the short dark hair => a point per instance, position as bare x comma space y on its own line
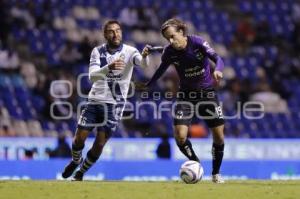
176, 23
109, 22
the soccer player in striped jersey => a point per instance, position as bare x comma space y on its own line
191, 57
110, 70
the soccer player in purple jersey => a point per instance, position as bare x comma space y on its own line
190, 55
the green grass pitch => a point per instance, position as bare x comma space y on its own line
250, 189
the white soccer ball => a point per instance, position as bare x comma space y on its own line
191, 172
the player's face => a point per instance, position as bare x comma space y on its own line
175, 38
113, 35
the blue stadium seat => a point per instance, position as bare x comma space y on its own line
47, 40
38, 102
72, 125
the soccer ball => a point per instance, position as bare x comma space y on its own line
191, 172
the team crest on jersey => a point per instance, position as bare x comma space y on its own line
122, 56
199, 56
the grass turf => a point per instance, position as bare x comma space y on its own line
149, 190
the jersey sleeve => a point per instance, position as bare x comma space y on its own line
96, 72
95, 58
138, 60
210, 52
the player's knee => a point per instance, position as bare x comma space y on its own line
218, 135
218, 139
98, 147
180, 141
180, 132
80, 136
180, 138
108, 134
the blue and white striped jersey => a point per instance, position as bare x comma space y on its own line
111, 86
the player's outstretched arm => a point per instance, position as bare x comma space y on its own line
165, 63
158, 73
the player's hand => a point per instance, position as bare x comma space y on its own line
118, 64
146, 51
140, 86
218, 75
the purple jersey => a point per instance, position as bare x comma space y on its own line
192, 64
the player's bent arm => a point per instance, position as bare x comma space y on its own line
219, 63
97, 73
210, 52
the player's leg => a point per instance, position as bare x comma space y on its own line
93, 154
217, 152
87, 120
184, 112
183, 143
210, 110
77, 146
110, 116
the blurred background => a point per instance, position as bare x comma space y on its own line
43, 41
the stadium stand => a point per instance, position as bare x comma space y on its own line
47, 40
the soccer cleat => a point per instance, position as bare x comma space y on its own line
78, 176
217, 178
70, 168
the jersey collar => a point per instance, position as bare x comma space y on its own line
115, 50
